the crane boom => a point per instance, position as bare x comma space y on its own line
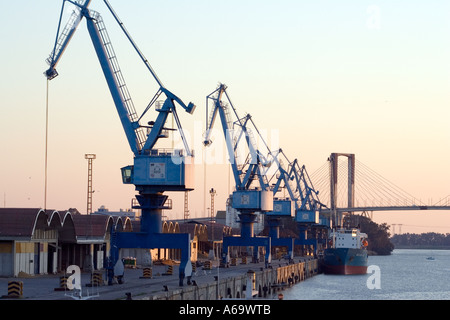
299, 186
226, 127
171, 97
244, 171
63, 38
114, 78
139, 141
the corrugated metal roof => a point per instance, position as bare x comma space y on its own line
19, 222
91, 225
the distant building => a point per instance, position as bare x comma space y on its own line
121, 213
221, 217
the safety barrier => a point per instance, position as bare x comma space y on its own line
62, 284
207, 265
147, 273
169, 271
15, 289
96, 279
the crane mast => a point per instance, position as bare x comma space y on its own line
154, 170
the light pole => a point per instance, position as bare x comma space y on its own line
90, 158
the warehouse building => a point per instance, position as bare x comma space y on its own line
36, 241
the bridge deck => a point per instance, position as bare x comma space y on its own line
387, 208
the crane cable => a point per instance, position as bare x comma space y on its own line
46, 147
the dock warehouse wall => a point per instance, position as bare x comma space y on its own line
6, 258
34, 241
267, 282
23, 256
30, 257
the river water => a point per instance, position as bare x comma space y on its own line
404, 275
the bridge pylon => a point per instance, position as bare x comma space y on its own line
333, 159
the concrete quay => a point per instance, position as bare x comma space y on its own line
205, 284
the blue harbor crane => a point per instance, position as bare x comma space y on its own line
282, 206
252, 192
302, 200
154, 170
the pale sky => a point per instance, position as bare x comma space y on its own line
365, 77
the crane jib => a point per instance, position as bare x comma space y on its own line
135, 133
110, 77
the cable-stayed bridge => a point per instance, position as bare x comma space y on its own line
347, 185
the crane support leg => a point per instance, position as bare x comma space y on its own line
285, 242
303, 239
155, 241
274, 234
274, 227
151, 236
254, 242
247, 239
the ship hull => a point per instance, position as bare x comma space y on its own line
345, 261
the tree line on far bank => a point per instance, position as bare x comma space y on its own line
423, 240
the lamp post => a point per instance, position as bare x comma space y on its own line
90, 158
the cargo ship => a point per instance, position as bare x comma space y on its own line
347, 253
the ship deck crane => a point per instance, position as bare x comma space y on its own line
252, 193
155, 170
